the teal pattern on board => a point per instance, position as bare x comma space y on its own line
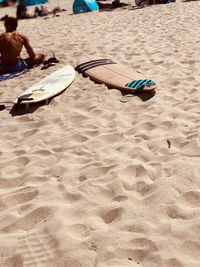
140, 84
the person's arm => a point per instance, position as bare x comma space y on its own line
29, 48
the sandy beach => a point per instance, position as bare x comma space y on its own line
89, 181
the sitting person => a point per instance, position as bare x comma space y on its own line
11, 44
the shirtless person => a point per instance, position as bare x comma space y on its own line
11, 44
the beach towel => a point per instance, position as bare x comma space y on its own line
14, 71
7, 76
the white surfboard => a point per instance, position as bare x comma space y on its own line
48, 87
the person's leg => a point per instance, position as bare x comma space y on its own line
39, 58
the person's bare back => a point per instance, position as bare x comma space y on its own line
11, 44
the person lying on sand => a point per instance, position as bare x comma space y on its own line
11, 44
4, 18
117, 4
108, 7
42, 11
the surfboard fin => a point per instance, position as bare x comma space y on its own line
2, 107
23, 98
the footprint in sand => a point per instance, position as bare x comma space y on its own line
13, 166
30, 220
38, 248
17, 197
111, 215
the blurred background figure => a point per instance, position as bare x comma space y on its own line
21, 10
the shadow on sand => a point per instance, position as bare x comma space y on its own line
143, 96
19, 110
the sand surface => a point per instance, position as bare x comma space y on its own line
89, 181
